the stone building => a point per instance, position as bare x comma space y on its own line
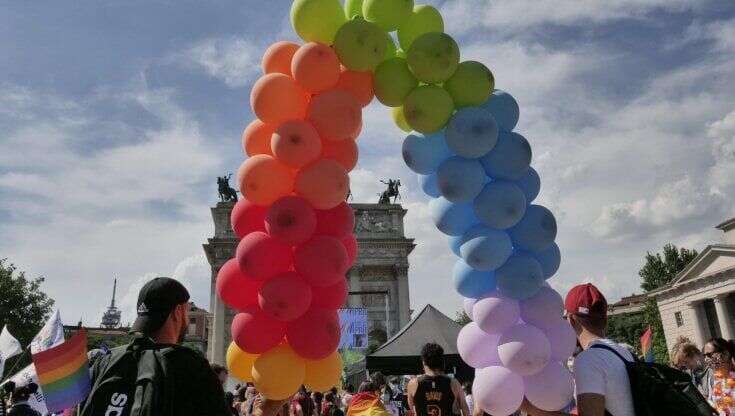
378, 281
197, 333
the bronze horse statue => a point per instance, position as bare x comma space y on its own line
392, 191
226, 192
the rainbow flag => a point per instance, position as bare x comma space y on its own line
366, 404
647, 345
63, 373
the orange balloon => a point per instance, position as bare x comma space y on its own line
277, 58
323, 183
296, 143
276, 98
256, 138
315, 67
343, 151
358, 84
336, 115
263, 179
322, 375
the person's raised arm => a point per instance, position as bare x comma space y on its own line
460, 397
411, 393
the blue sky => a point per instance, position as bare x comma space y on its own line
115, 119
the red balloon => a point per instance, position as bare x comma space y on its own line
236, 290
256, 332
315, 335
262, 256
291, 220
350, 243
337, 222
247, 217
336, 115
330, 297
285, 297
344, 152
322, 261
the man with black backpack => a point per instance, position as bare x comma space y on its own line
153, 375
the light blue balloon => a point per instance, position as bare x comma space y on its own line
504, 108
429, 186
472, 283
501, 204
520, 277
530, 184
536, 231
460, 179
509, 159
455, 243
424, 153
451, 218
550, 260
471, 132
485, 248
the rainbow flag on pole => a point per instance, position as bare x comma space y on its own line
63, 373
647, 345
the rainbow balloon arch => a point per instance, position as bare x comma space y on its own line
287, 280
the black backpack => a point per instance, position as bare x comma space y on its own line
660, 390
133, 381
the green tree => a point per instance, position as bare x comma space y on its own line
461, 318
24, 308
658, 271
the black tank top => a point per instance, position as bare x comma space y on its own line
434, 396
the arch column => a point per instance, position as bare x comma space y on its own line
723, 316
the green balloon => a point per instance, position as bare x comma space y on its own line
317, 20
470, 85
353, 8
388, 14
390, 48
393, 81
424, 19
360, 45
428, 108
433, 57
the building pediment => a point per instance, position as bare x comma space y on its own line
713, 259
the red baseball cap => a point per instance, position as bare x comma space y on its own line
586, 300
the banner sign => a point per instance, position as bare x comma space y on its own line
354, 325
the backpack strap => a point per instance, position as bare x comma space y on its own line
612, 350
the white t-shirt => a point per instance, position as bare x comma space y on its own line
601, 372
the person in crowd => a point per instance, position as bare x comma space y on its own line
230, 401
19, 396
435, 391
367, 401
347, 396
686, 357
331, 405
600, 376
162, 321
318, 399
467, 386
302, 404
221, 373
719, 381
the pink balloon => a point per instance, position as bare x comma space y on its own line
291, 220
542, 309
315, 335
350, 243
337, 222
524, 349
497, 390
563, 340
551, 389
247, 217
330, 297
322, 261
285, 297
495, 313
478, 348
468, 304
262, 256
236, 290
256, 332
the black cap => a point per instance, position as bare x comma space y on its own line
156, 300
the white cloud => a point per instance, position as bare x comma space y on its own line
236, 61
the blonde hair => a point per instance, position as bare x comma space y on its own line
683, 350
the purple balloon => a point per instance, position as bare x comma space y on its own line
468, 305
551, 389
563, 340
542, 309
494, 314
524, 349
476, 347
497, 390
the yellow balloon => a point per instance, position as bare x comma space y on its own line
279, 373
322, 375
400, 119
240, 363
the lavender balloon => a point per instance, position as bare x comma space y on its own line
563, 340
551, 389
543, 309
476, 347
468, 304
524, 349
497, 390
494, 314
